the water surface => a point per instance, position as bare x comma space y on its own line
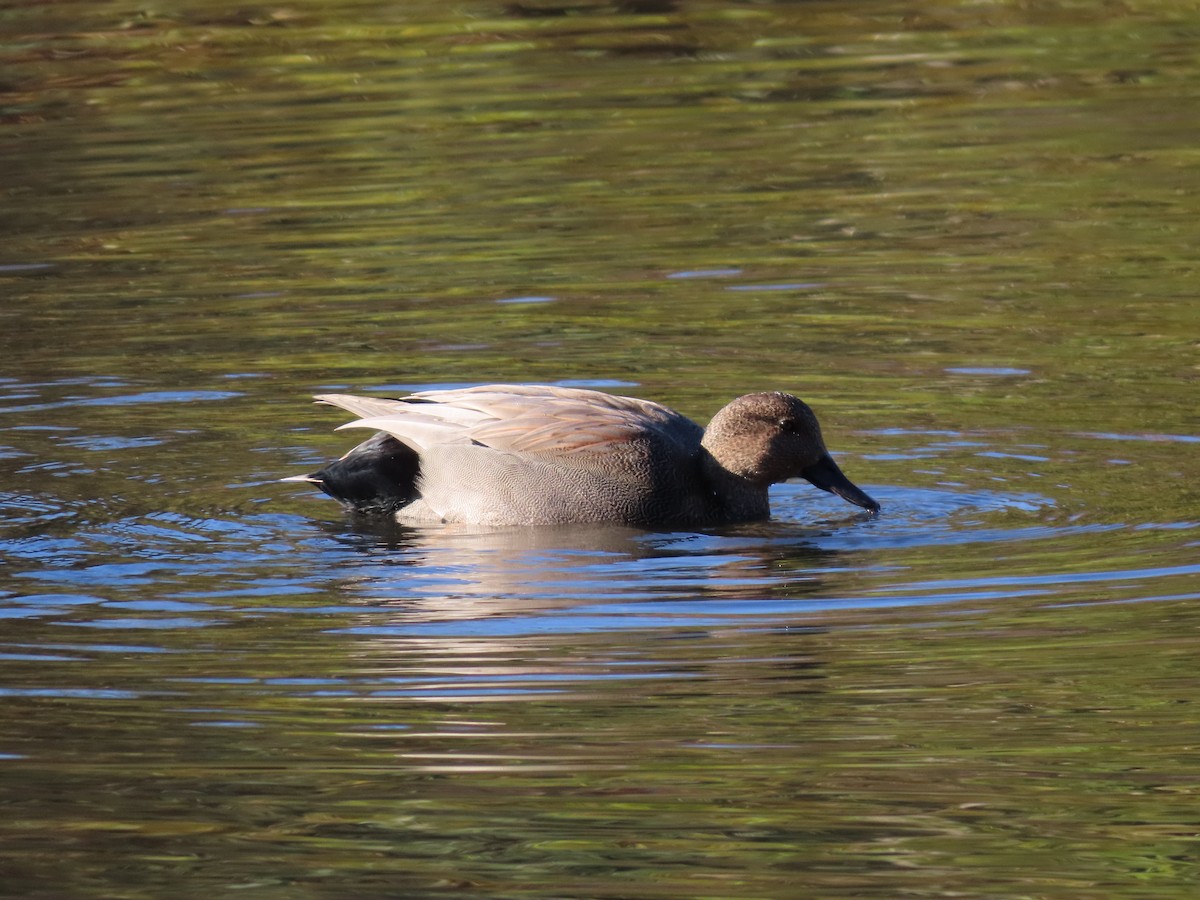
964, 233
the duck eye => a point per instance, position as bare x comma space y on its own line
788, 425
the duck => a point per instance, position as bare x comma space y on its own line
518, 455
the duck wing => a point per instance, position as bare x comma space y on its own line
536, 420
419, 425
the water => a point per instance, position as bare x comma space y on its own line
963, 233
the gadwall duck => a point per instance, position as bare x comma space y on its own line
539, 455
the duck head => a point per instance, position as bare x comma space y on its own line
771, 437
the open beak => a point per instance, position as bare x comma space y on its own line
826, 475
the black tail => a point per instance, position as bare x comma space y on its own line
377, 476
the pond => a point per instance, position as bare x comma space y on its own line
965, 233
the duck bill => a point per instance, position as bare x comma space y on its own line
826, 475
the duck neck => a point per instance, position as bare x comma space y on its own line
737, 498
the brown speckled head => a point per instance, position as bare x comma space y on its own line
771, 437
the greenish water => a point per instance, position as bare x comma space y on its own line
964, 232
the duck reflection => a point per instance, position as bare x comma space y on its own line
456, 573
